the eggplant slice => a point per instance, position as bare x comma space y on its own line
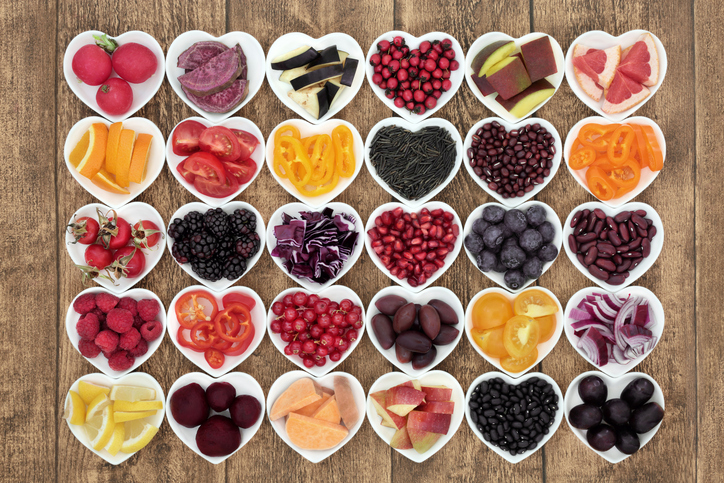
317, 76
326, 57
313, 99
296, 58
350, 68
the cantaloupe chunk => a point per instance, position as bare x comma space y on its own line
314, 434
345, 401
301, 393
328, 411
310, 409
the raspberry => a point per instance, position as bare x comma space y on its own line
148, 309
140, 349
138, 322
85, 303
88, 348
151, 330
106, 302
129, 339
107, 340
129, 304
88, 326
119, 320
108, 355
100, 314
121, 361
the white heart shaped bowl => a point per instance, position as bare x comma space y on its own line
244, 385
432, 378
499, 278
396, 121
615, 386
551, 431
602, 40
449, 259
456, 76
134, 379
544, 348
489, 101
230, 362
656, 244
293, 40
132, 213
336, 293
306, 129
254, 57
286, 380
613, 369
153, 167
100, 361
142, 93
647, 176
229, 208
440, 293
293, 209
242, 123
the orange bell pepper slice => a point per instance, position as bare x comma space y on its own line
596, 135
344, 150
656, 156
599, 184
227, 321
287, 130
582, 158
619, 145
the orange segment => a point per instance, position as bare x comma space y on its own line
114, 135
139, 160
78, 153
123, 156
96, 153
104, 180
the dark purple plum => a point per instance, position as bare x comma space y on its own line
616, 412
447, 314
404, 318
645, 418
382, 327
627, 441
414, 341
429, 321
585, 416
601, 437
593, 390
447, 335
420, 361
637, 392
245, 411
403, 355
218, 436
389, 304
188, 405
219, 396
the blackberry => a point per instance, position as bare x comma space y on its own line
203, 246
207, 269
248, 245
216, 222
178, 229
234, 268
195, 221
181, 252
242, 222
225, 248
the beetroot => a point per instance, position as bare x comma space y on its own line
134, 62
245, 411
218, 436
215, 75
219, 395
199, 54
223, 101
188, 405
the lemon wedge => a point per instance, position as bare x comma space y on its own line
123, 416
89, 391
132, 394
74, 409
100, 428
137, 406
138, 435
116, 441
96, 407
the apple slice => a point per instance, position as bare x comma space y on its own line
401, 439
437, 393
432, 422
491, 54
509, 77
440, 407
422, 440
521, 104
402, 399
389, 418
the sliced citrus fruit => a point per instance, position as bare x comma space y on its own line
132, 393
78, 153
123, 416
96, 153
640, 61
587, 83
105, 181
534, 303
624, 93
521, 336
100, 429
511, 364
139, 160
137, 406
89, 391
114, 135
123, 156
117, 438
138, 435
74, 409
96, 407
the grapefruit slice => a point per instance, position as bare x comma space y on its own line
599, 65
589, 85
623, 94
96, 153
640, 61
139, 160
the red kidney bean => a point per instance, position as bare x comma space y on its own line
606, 248
599, 214
631, 228
641, 231
591, 222
617, 259
614, 238
580, 227
587, 237
621, 217
622, 248
641, 213
598, 272
635, 263
604, 234
639, 221
586, 213
616, 279
632, 255
606, 264
623, 231
580, 258
585, 247
611, 224
652, 233
623, 266
572, 244
576, 217
598, 227
646, 247
635, 243
590, 256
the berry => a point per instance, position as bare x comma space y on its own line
178, 229
324, 321
313, 298
309, 315
88, 326
275, 326
108, 355
140, 349
148, 309
296, 347
129, 339
288, 349
299, 325
320, 307
248, 245
234, 267
224, 249
309, 347
88, 348
326, 339
107, 340
203, 246
375, 60
138, 322
100, 314
121, 361
181, 252
287, 336
383, 45
309, 362
216, 221
316, 331
277, 308
119, 320
351, 318
320, 362
303, 336
337, 318
288, 326
290, 314
195, 220
351, 335
106, 302
207, 269
335, 356
300, 299
151, 330
85, 303
129, 304
242, 222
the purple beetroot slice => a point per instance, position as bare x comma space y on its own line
200, 53
223, 101
214, 76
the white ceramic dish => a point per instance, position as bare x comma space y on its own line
489, 101
293, 209
615, 386
544, 348
132, 213
153, 168
656, 244
293, 40
305, 130
499, 278
254, 59
432, 378
551, 431
601, 40
242, 123
422, 298
142, 93
335, 293
513, 202
229, 208
244, 385
286, 380
449, 259
396, 121
134, 379
647, 176
456, 76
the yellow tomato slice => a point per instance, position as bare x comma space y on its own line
534, 303
512, 364
490, 341
491, 310
547, 327
521, 336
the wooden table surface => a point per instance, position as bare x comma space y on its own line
38, 279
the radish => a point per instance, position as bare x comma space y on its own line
115, 97
134, 62
92, 65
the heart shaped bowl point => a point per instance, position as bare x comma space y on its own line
647, 176
489, 101
432, 122
551, 430
513, 202
293, 209
432, 378
258, 314
132, 213
544, 348
235, 122
598, 39
229, 208
422, 298
656, 244
449, 259
142, 93
336, 293
244, 385
615, 386
286, 380
154, 165
656, 310
133, 379
456, 76
287, 43
499, 277
305, 130
255, 61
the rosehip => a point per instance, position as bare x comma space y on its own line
378, 68
383, 45
375, 60
397, 55
419, 96
454, 65
430, 102
390, 94
446, 85
436, 94
402, 75
383, 85
398, 41
425, 47
414, 61
399, 102
433, 55
407, 95
443, 63
386, 59
436, 84
404, 63
410, 106
377, 78
437, 73
419, 109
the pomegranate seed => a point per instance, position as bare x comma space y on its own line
439, 262
420, 256
398, 246
415, 249
448, 238
442, 252
383, 230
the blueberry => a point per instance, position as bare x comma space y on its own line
547, 253
533, 268
530, 240
507, 232
516, 221
493, 214
493, 236
511, 241
547, 231
512, 257
499, 267
536, 215
486, 260
474, 243
480, 225
514, 279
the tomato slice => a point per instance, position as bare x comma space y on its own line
214, 189
238, 298
520, 336
491, 310
185, 174
242, 170
490, 341
194, 307
185, 138
221, 142
534, 303
247, 141
207, 166
214, 357
511, 364
547, 327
